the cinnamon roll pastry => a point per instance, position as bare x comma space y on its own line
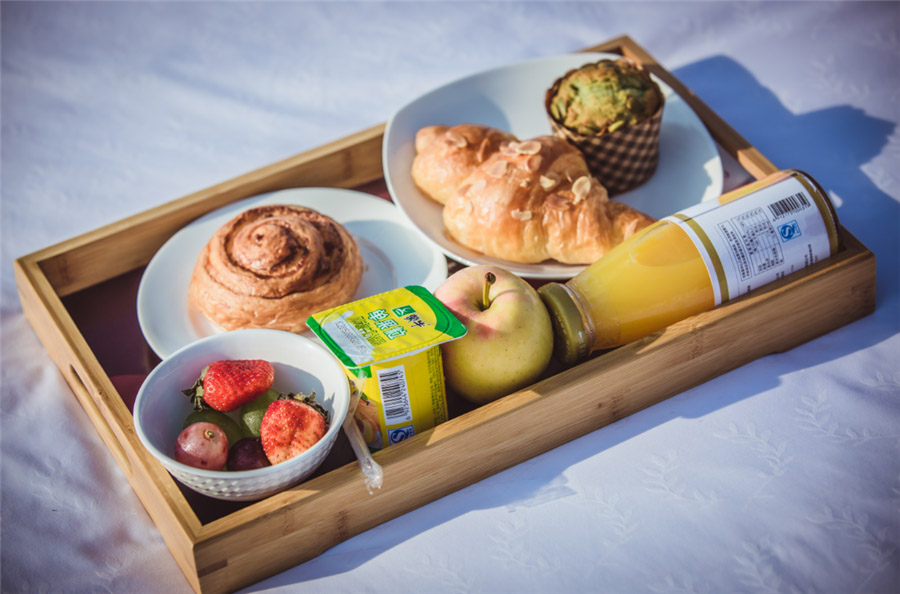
274, 266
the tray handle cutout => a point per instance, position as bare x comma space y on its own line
87, 399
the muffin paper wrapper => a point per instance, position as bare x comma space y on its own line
620, 160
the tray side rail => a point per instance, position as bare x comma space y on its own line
83, 261
45, 276
106, 410
728, 138
323, 512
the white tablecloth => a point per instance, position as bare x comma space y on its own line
781, 476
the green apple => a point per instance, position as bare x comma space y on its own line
509, 340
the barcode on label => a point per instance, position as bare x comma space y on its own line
394, 395
789, 205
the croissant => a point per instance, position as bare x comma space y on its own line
445, 155
274, 266
535, 200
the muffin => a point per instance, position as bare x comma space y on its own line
612, 111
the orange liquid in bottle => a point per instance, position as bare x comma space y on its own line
654, 280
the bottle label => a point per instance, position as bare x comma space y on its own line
759, 238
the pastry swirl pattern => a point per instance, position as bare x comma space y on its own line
273, 266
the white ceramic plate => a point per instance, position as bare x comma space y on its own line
395, 255
512, 98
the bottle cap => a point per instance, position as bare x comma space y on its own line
571, 339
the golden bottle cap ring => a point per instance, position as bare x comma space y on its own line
571, 340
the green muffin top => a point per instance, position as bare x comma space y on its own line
604, 96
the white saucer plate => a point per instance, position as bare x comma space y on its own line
394, 253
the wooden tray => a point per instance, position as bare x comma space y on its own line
333, 506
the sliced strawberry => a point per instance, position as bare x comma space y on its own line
291, 426
227, 385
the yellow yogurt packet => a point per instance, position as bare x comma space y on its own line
389, 345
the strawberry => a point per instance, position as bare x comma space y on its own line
292, 424
227, 385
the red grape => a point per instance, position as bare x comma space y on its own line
247, 454
202, 445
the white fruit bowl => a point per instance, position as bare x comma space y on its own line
301, 365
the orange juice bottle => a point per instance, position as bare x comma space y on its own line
691, 262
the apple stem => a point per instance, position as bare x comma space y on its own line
489, 279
